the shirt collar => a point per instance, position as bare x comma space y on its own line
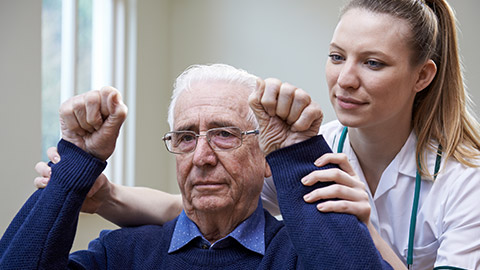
403, 163
250, 233
406, 157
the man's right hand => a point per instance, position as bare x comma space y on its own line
92, 121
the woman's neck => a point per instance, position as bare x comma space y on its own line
376, 147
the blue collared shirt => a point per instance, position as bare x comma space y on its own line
250, 234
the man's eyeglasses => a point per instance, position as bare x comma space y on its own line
220, 139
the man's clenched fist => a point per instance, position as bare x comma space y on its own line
92, 121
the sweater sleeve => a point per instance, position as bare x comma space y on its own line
41, 234
322, 240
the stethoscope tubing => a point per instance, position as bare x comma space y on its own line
416, 196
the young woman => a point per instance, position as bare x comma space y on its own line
404, 134
394, 80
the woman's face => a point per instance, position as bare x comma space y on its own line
370, 79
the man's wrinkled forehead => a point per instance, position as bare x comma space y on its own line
217, 103
193, 125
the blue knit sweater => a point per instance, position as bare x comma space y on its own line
41, 235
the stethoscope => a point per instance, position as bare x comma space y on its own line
416, 196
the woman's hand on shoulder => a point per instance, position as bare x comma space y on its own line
350, 192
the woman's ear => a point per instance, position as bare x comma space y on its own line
426, 75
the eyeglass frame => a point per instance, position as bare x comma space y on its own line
212, 145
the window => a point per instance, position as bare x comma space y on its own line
51, 46
88, 44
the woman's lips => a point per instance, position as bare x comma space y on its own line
349, 103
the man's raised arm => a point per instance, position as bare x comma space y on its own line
289, 122
42, 233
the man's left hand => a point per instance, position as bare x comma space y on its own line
286, 114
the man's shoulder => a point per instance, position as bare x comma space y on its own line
273, 227
279, 249
134, 246
139, 234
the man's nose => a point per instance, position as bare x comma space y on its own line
204, 154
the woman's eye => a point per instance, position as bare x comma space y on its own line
374, 64
335, 58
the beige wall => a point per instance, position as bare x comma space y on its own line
271, 38
469, 39
20, 111
154, 84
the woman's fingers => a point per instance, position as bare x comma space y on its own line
336, 191
40, 182
359, 209
43, 169
332, 175
336, 158
347, 195
341, 199
53, 155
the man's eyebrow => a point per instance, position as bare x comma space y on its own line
220, 124
213, 124
186, 127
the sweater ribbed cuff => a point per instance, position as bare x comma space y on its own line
77, 170
303, 155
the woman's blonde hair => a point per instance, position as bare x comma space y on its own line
442, 111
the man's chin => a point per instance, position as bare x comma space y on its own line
211, 203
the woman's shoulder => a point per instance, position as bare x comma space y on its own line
331, 131
455, 167
456, 176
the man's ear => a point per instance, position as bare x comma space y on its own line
268, 171
426, 75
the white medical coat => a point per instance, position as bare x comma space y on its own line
448, 220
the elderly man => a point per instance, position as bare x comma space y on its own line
220, 171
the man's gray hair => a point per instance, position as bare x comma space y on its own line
213, 72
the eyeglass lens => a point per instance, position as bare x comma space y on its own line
218, 138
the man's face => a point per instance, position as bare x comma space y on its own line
214, 181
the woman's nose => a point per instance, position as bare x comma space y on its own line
348, 77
